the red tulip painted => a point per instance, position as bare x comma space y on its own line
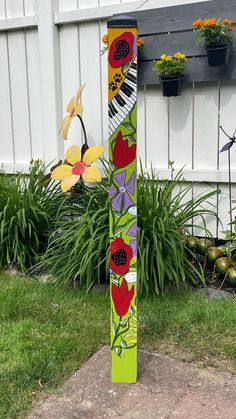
120, 256
123, 154
122, 297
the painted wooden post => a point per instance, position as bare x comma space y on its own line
122, 110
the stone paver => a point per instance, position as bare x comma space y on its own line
166, 389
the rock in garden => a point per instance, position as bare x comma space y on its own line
213, 293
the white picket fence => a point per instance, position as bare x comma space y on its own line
48, 48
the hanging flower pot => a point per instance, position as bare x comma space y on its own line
217, 55
171, 85
171, 69
217, 35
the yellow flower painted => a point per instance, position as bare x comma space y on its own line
73, 108
71, 173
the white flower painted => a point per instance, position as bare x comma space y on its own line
131, 277
132, 210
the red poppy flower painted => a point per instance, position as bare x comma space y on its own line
122, 297
121, 50
123, 155
120, 256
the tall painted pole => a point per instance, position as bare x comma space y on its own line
122, 110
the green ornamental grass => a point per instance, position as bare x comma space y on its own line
78, 249
28, 214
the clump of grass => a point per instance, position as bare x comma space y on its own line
28, 214
165, 216
78, 250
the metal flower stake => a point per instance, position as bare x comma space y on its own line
122, 111
227, 147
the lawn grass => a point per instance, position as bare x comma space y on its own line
46, 333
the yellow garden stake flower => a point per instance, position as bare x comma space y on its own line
79, 167
74, 108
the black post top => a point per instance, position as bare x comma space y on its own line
122, 21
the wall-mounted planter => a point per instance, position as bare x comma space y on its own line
218, 55
171, 85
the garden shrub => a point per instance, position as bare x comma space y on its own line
28, 214
78, 250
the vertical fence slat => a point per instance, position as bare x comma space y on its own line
90, 74
141, 126
50, 79
157, 128
181, 128
228, 121
67, 5
85, 4
35, 110
30, 7
7, 147
14, 8
103, 81
19, 98
70, 76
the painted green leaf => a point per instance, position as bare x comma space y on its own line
121, 228
123, 324
118, 350
125, 67
114, 327
123, 343
128, 126
132, 310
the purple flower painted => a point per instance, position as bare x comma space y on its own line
133, 233
120, 196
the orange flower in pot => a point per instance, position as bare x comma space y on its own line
217, 36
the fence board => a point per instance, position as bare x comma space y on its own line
157, 128
90, 57
19, 97
227, 104
70, 76
141, 126
206, 125
181, 128
7, 146
35, 110
14, 8
30, 7
64, 5
103, 82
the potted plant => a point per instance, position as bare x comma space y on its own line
217, 36
171, 69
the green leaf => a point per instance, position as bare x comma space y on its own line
118, 350
128, 126
132, 310
123, 343
123, 324
120, 228
114, 328
125, 67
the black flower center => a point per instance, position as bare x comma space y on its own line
119, 257
122, 50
